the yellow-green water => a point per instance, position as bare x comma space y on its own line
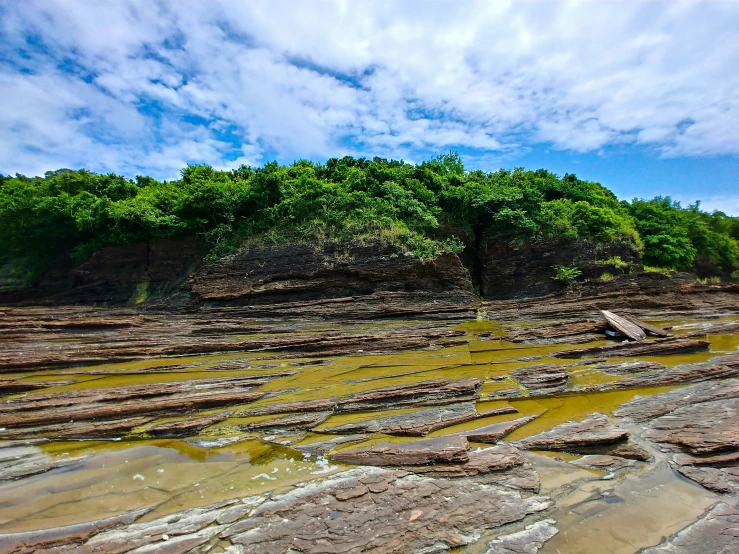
112, 477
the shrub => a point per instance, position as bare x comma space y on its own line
566, 275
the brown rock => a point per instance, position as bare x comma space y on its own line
481, 462
427, 451
704, 428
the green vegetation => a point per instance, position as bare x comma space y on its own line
566, 275
347, 200
616, 262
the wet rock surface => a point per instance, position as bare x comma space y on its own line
382, 511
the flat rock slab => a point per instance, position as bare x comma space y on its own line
445, 450
379, 511
717, 532
497, 458
650, 407
496, 431
413, 424
700, 429
528, 541
594, 431
602, 461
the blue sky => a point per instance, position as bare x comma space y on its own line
641, 96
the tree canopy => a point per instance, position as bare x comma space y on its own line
348, 199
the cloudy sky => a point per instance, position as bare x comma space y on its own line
641, 96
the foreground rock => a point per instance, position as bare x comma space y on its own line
361, 510
716, 532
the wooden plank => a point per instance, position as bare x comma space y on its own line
624, 326
651, 329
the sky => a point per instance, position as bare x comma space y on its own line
640, 96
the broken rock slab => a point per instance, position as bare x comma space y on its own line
445, 450
496, 431
573, 436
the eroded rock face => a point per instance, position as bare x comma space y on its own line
380, 511
716, 532
594, 431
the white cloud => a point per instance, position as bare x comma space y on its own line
139, 86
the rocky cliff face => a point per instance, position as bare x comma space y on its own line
371, 281
116, 275
303, 280
515, 269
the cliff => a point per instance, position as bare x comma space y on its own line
300, 280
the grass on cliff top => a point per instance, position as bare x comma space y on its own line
349, 200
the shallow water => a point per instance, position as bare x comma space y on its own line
112, 477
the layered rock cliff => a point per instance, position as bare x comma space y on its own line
301, 279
